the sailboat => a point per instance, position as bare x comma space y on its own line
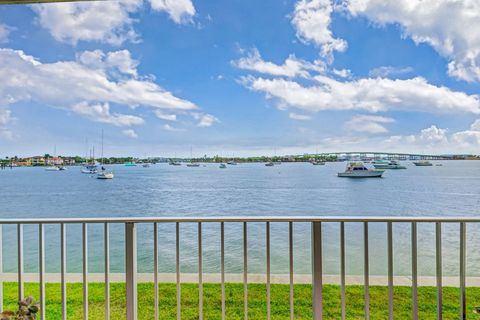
53, 167
90, 168
104, 174
191, 163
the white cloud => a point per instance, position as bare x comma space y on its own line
168, 127
292, 67
434, 134
104, 21
368, 94
130, 133
387, 71
436, 140
451, 27
101, 113
165, 116
475, 125
204, 119
180, 11
368, 124
343, 73
89, 88
4, 32
100, 21
5, 119
301, 117
311, 20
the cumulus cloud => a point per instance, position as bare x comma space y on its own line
168, 127
5, 119
312, 19
89, 85
99, 112
373, 95
292, 67
165, 116
368, 124
130, 133
389, 71
4, 32
301, 117
204, 119
180, 11
449, 26
438, 140
87, 21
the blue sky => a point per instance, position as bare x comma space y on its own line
240, 77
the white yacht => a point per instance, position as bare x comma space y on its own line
232, 163
423, 163
358, 170
105, 175
89, 169
193, 164
389, 165
52, 168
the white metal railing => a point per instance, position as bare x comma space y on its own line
317, 257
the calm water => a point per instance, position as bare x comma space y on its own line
247, 189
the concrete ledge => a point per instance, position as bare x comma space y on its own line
238, 278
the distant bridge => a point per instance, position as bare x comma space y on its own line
386, 155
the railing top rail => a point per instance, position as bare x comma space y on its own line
447, 219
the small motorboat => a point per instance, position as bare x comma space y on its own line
389, 165
222, 166
232, 163
193, 164
318, 163
423, 163
52, 168
358, 170
269, 164
146, 165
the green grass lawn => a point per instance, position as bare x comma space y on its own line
257, 305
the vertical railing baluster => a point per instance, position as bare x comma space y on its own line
290, 256
177, 270
342, 271
41, 268
20, 261
200, 273
131, 269
366, 271
245, 272
106, 250
317, 271
267, 245
438, 251
155, 268
222, 266
63, 266
390, 269
463, 302
414, 272
85, 270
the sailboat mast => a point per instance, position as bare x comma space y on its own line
102, 148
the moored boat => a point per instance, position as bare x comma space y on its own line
358, 170
389, 165
269, 164
423, 163
222, 166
